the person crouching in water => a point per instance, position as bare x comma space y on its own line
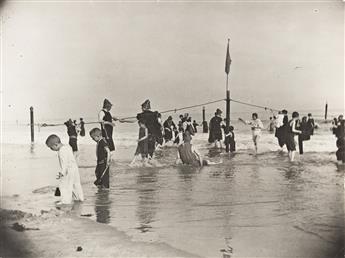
142, 148
103, 158
69, 186
293, 131
187, 154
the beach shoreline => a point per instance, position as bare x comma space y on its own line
56, 233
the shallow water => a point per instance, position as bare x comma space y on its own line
258, 206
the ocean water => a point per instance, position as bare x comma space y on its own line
255, 206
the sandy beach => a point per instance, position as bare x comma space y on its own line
57, 234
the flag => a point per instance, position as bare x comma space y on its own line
227, 60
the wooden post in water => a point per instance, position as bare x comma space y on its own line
326, 110
204, 122
32, 125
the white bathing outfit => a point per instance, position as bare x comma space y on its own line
69, 185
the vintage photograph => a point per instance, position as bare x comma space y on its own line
172, 128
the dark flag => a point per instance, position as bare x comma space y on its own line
228, 60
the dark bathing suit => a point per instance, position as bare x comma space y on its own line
290, 140
72, 133
215, 129
102, 164
150, 119
142, 147
107, 130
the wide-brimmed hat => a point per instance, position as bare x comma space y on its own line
106, 103
146, 104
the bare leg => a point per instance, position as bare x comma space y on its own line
133, 161
292, 155
76, 156
255, 140
146, 162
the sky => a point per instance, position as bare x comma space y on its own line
64, 58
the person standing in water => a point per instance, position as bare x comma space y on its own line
73, 136
69, 186
195, 125
281, 125
103, 158
293, 131
311, 123
142, 146
305, 135
271, 125
216, 124
151, 120
82, 127
229, 137
169, 129
256, 126
106, 120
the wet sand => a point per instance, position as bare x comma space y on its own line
57, 234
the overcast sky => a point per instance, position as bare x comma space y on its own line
65, 58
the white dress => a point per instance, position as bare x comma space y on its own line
70, 186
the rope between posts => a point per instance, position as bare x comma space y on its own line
253, 105
182, 108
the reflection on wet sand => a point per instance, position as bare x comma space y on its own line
102, 206
147, 199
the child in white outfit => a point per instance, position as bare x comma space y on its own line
70, 187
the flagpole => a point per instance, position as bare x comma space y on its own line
227, 149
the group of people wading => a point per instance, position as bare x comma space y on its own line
152, 133
286, 131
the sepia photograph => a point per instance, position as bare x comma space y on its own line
172, 128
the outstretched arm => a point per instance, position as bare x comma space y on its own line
245, 122
123, 120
